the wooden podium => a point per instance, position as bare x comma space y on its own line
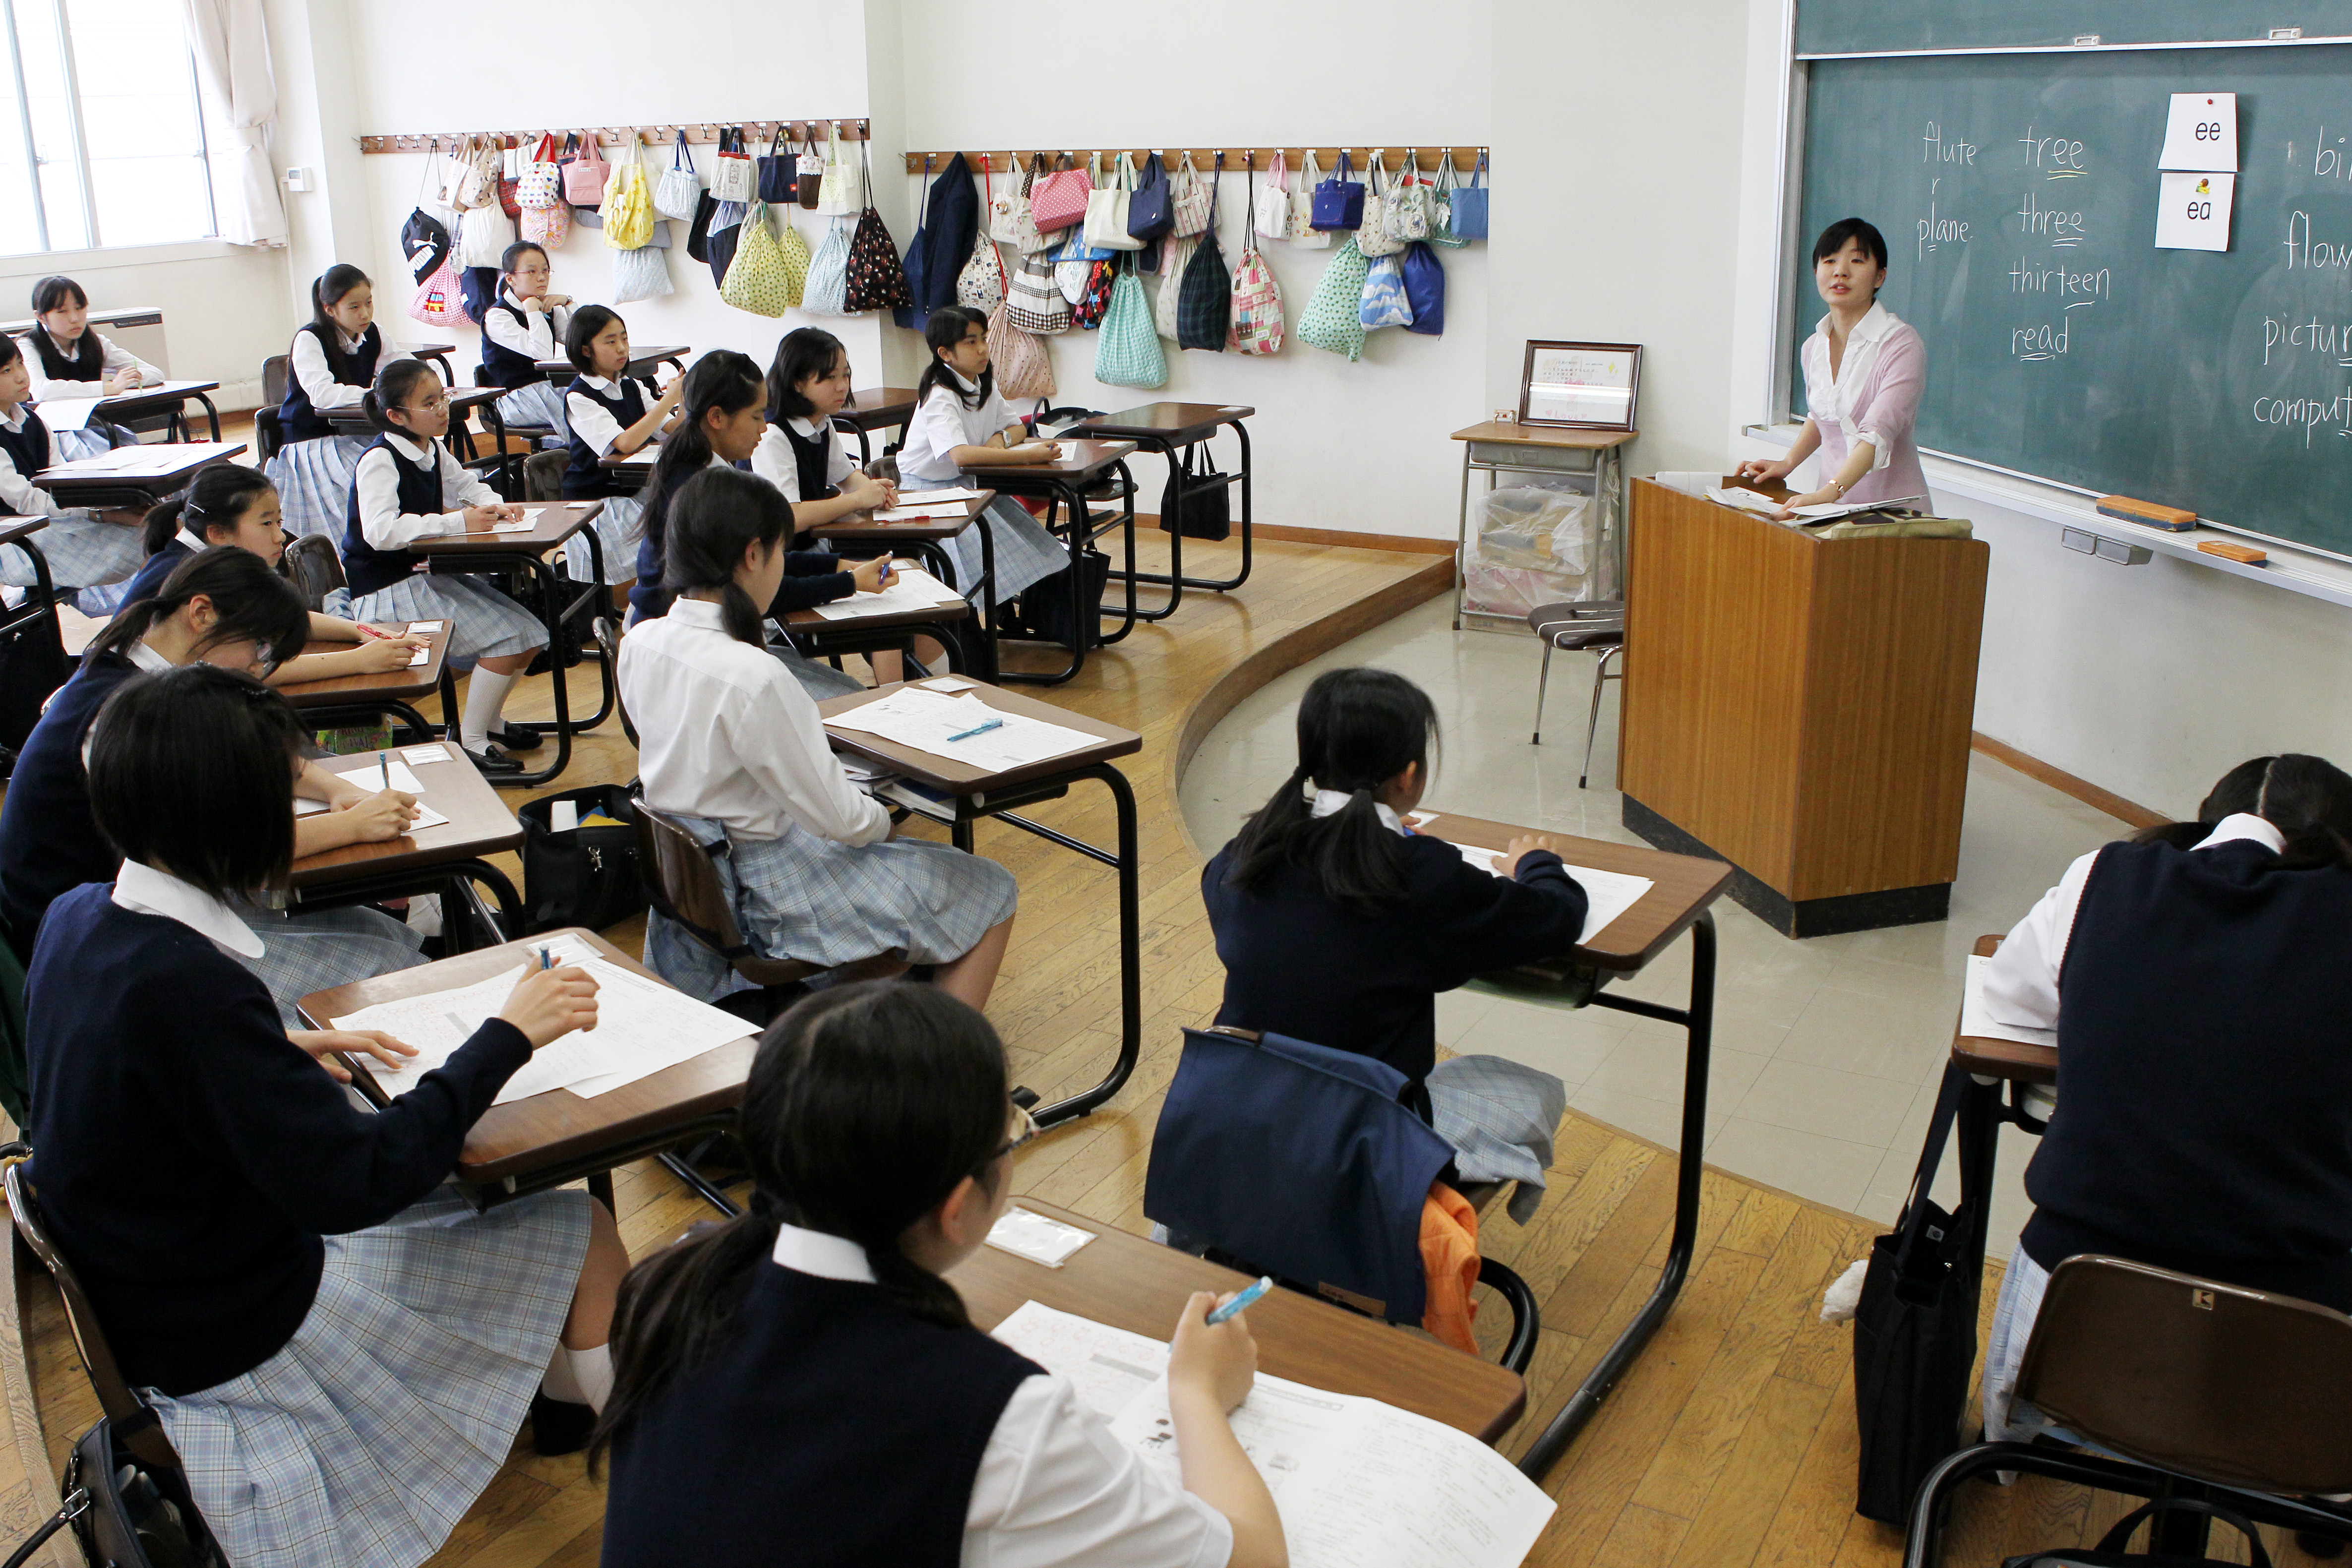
1800, 706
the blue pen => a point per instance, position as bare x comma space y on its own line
545, 961
383, 760
978, 730
1248, 1297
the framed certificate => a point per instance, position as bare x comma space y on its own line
1584, 386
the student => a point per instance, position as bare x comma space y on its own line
959, 419
804, 1374
86, 548
408, 485
524, 325
2195, 975
727, 739
233, 505
720, 427
1336, 924
800, 452
334, 362
610, 413
340, 1353
222, 607
67, 360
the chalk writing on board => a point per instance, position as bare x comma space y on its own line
2311, 412
2327, 160
1936, 229
1937, 149
2301, 250
2059, 227
2030, 276
2057, 157
2047, 340
2328, 340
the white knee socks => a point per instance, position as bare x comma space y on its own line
486, 693
580, 1377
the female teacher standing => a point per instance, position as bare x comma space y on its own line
1863, 373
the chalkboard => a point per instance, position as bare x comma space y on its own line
1849, 27
2019, 194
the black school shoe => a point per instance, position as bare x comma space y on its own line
558, 1426
517, 737
494, 763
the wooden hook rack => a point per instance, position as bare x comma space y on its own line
759, 131
1238, 158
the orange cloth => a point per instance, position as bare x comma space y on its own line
1449, 1256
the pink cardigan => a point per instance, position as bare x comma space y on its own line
1874, 399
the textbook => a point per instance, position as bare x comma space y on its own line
1359, 1483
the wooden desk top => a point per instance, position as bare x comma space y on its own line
810, 621
872, 407
552, 523
1515, 434
861, 524
1080, 460
1134, 1284
75, 629
955, 778
2020, 1060
549, 1128
1179, 423
418, 680
160, 469
1684, 886
479, 823
641, 360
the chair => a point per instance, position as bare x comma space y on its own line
315, 567
2216, 1396
1597, 627
1300, 1162
542, 476
135, 1425
268, 435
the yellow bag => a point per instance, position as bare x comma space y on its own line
795, 253
758, 280
628, 205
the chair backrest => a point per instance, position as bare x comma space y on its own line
682, 883
543, 474
315, 567
2239, 1387
1300, 1161
274, 371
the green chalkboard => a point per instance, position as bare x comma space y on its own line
2018, 196
1849, 27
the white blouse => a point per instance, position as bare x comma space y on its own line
19, 493
382, 522
112, 358
540, 336
725, 732
591, 421
942, 424
774, 461
307, 362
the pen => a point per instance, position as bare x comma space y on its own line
545, 961
978, 730
1248, 1297
383, 760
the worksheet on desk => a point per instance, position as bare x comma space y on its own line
911, 588
1607, 894
953, 728
68, 413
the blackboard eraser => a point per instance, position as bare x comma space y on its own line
2243, 555
2148, 513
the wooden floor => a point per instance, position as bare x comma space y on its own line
1731, 1443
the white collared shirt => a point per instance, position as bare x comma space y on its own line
541, 336
149, 891
307, 362
1828, 394
1054, 1486
146, 658
111, 358
594, 423
774, 459
1328, 801
382, 522
725, 732
941, 423
2022, 980
193, 543
19, 493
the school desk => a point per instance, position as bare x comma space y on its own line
874, 409
924, 538
1062, 484
1999, 1073
548, 1140
140, 481
975, 794
1172, 429
1683, 888
641, 361
1140, 1286
164, 397
325, 703
440, 356
445, 859
485, 549
823, 637
463, 403
37, 615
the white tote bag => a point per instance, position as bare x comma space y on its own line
842, 192
483, 234
1303, 232
1107, 210
1272, 218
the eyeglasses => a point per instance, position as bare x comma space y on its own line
1024, 1127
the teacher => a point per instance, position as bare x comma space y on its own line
1865, 370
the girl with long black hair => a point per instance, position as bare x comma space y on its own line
610, 413
334, 360
70, 361
86, 548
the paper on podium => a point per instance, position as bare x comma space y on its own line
1977, 1019
1607, 894
911, 588
1359, 1483
925, 721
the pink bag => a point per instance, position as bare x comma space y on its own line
583, 177
439, 301
1059, 200
1024, 368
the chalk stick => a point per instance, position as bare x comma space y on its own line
2148, 513
2243, 555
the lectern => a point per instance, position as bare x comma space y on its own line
1800, 707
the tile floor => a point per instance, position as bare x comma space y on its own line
1827, 1051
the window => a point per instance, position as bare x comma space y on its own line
105, 145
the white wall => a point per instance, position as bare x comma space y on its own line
224, 305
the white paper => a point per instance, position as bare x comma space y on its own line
370, 776
120, 458
1976, 1020
948, 683
305, 806
68, 413
424, 628
2202, 132
421, 656
923, 720
910, 590
914, 512
1745, 501
1359, 1484
1607, 894
1824, 511
420, 755
2192, 211
1035, 1237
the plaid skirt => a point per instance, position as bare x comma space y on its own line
93, 440
618, 528
483, 622
82, 552
365, 1440
540, 403
1026, 553
314, 483
313, 950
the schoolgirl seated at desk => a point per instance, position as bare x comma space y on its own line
68, 359
222, 607
524, 325
610, 413
335, 358
339, 1349
86, 548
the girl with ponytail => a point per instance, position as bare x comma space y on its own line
1336, 922
804, 1373
729, 741
332, 363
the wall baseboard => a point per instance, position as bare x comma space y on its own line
2066, 783
1404, 542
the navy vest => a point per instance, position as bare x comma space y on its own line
2204, 1117
148, 581
297, 417
48, 844
87, 364
28, 448
367, 569
809, 456
647, 596
506, 367
828, 1429
586, 478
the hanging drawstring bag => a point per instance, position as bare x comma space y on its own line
680, 190
757, 279
1128, 352
640, 274
542, 185
1102, 279
808, 178
1333, 319
719, 244
1073, 266
1470, 203
1270, 208
843, 194
510, 178
1440, 205
1193, 208
425, 240
1059, 201
1034, 303
1382, 302
1107, 208
628, 205
1172, 284
877, 278
1254, 307
795, 252
583, 177
828, 274
1424, 288
1407, 218
1024, 368
483, 234
1304, 234
1373, 235
983, 283
916, 262
1201, 308
546, 227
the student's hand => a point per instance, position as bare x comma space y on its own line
673, 392
864, 491
122, 380
1221, 1362
1519, 847
323, 1043
478, 516
889, 493
1758, 469
870, 575
553, 300
533, 305
370, 629
128, 517
381, 656
1039, 451
386, 814
548, 1004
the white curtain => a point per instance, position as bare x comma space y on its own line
240, 92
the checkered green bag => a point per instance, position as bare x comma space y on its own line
1333, 319
1127, 354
